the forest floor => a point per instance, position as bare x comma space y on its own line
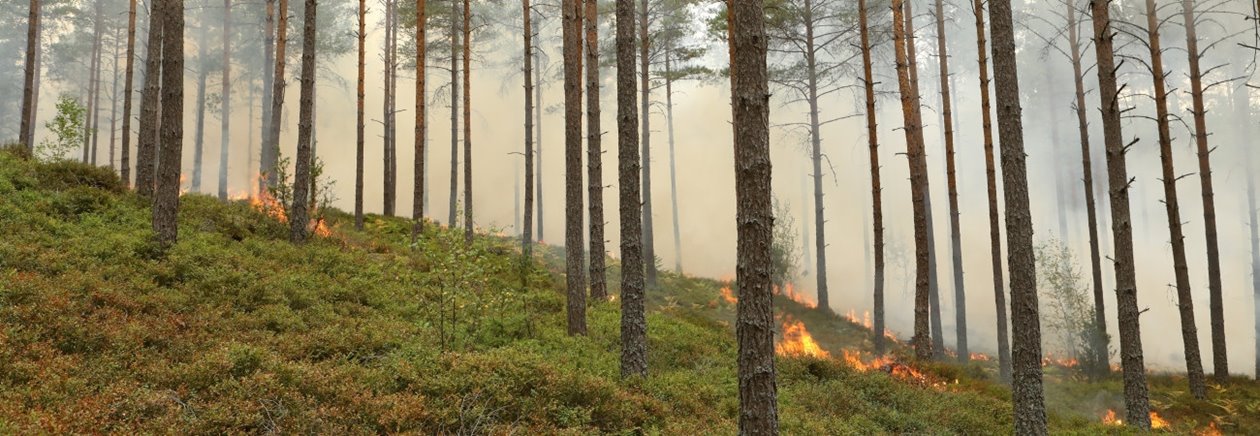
235, 330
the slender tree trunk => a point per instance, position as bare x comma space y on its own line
527, 221
299, 214
199, 140
94, 88
225, 127
1099, 338
673, 173
645, 138
1027, 393
166, 197
391, 189
147, 143
1220, 359
758, 414
995, 222
572, 14
417, 200
633, 318
1135, 389
918, 180
128, 76
815, 139
955, 234
269, 62
387, 114
39, 62
538, 117
1189, 332
28, 84
877, 202
934, 302
468, 160
359, 127
272, 145
454, 36
1255, 255
113, 99
595, 154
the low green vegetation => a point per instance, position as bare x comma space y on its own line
235, 330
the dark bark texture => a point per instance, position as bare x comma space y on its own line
594, 154
921, 340
995, 220
28, 79
166, 196
299, 213
633, 318
877, 202
955, 233
573, 241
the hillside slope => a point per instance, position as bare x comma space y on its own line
235, 330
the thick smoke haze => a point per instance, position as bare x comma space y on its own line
704, 158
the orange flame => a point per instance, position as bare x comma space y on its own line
1157, 422
981, 357
269, 205
797, 341
790, 292
1111, 419
1066, 362
1211, 430
183, 183
728, 295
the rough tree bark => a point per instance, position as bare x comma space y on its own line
955, 235
299, 213
645, 138
527, 222
1185, 301
166, 197
28, 80
147, 142
1027, 394
571, 11
94, 88
1220, 359
388, 192
995, 221
918, 181
269, 45
359, 139
633, 318
595, 155
468, 178
1099, 365
225, 125
1135, 390
877, 202
271, 146
750, 98
538, 117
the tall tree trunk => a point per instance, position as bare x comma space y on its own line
113, 98
527, 221
877, 202
272, 145
1255, 255
1099, 336
299, 214
203, 72
573, 245
645, 88
417, 200
918, 180
391, 188
538, 117
934, 302
955, 234
468, 178
166, 197
995, 221
387, 114
94, 87
1027, 393
128, 77
758, 414
225, 120
815, 139
633, 318
269, 87
595, 154
1185, 301
673, 173
454, 36
358, 127
1135, 390
147, 142
1220, 359
28, 88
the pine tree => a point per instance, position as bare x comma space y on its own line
572, 12
28, 87
299, 213
633, 318
595, 156
166, 196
